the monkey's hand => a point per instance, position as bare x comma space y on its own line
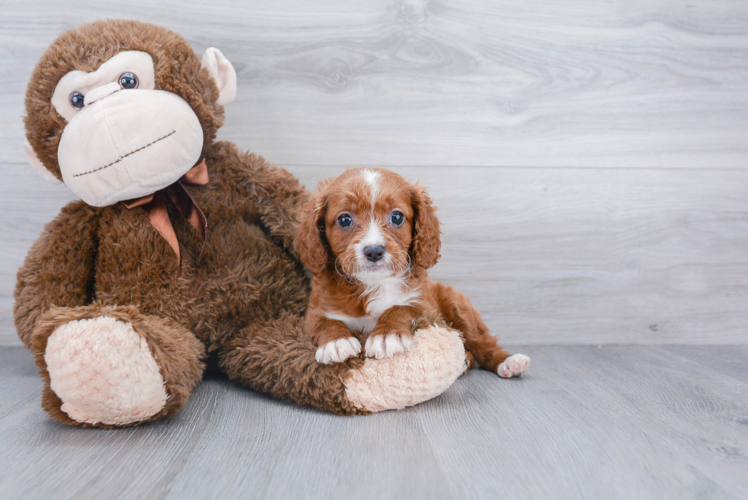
278, 195
59, 268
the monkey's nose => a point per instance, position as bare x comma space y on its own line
374, 253
100, 93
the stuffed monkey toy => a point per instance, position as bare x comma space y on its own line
181, 250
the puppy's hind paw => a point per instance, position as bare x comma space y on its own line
386, 346
513, 366
337, 351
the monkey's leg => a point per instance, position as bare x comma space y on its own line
275, 357
110, 366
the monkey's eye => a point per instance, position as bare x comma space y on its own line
397, 218
345, 220
128, 81
76, 100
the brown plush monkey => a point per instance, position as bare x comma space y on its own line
181, 250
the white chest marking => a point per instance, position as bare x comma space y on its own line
387, 293
363, 324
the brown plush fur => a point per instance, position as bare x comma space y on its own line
254, 354
242, 301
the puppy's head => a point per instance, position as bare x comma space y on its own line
369, 224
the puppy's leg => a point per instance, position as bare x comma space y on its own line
392, 334
458, 311
335, 342
469, 361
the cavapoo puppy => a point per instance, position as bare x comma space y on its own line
368, 238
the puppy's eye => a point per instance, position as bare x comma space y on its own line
397, 218
345, 220
128, 81
76, 100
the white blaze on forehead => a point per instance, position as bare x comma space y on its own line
372, 179
374, 234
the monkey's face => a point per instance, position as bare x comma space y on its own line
122, 136
124, 139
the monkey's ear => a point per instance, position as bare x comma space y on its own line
222, 72
38, 165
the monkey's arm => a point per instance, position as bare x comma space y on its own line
280, 198
59, 268
277, 194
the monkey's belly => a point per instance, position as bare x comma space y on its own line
243, 276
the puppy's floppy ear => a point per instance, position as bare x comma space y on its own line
309, 241
426, 241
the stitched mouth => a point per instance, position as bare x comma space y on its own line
128, 154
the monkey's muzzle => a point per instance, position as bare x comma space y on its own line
125, 144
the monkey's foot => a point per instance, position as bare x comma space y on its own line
103, 372
432, 364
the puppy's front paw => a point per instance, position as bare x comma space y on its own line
337, 351
385, 346
513, 366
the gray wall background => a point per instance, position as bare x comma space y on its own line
589, 158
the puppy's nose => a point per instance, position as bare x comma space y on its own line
374, 252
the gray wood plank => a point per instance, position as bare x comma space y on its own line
647, 422
633, 422
302, 437
538, 83
566, 255
547, 255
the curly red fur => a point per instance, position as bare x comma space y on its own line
309, 243
426, 235
342, 289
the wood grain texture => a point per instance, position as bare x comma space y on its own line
661, 422
550, 255
410, 82
589, 158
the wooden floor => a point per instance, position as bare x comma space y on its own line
628, 422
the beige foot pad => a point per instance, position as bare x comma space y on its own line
435, 360
103, 372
